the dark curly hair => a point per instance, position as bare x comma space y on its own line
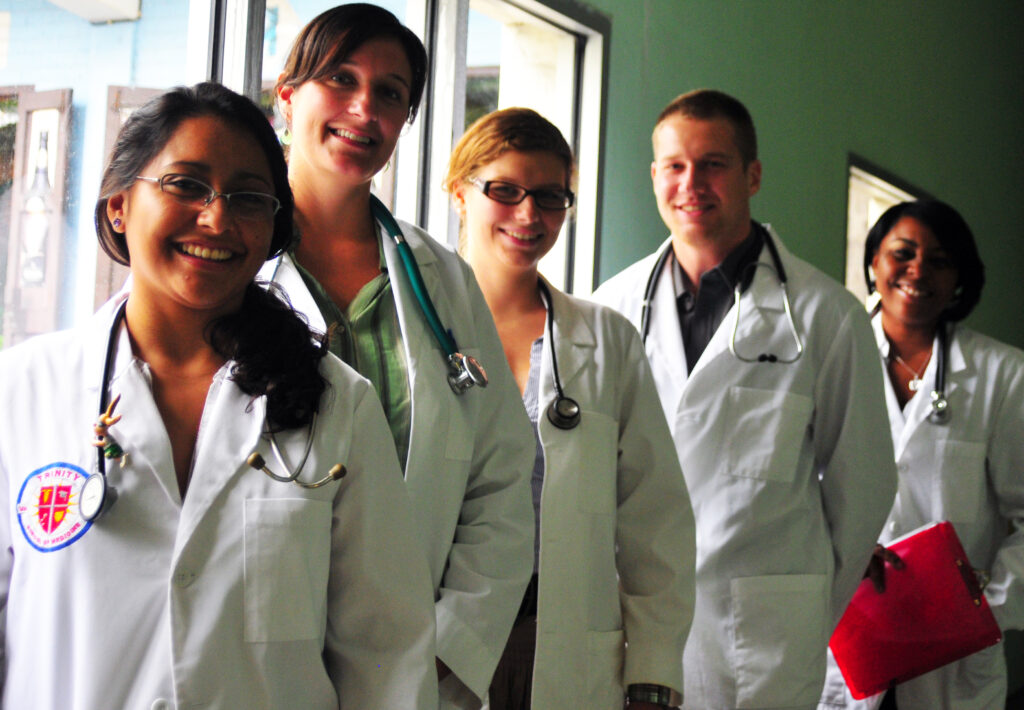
273, 350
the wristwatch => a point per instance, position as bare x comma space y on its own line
652, 693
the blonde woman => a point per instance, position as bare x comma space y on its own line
615, 540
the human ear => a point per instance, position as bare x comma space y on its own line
117, 211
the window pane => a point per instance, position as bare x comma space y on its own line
284, 20
67, 78
514, 58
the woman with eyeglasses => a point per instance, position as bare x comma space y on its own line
609, 606
352, 82
956, 409
143, 561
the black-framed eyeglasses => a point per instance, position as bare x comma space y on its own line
508, 193
255, 206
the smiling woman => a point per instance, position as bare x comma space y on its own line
352, 82
222, 561
588, 389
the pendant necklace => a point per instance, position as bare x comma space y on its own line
915, 381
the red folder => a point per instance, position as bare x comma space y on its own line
931, 613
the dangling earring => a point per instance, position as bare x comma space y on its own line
871, 274
286, 136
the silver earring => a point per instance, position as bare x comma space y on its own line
286, 136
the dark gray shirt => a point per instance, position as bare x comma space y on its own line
702, 312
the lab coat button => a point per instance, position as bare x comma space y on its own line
160, 704
183, 578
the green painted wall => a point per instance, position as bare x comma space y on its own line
932, 92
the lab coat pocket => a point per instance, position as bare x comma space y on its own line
779, 639
605, 657
596, 450
960, 485
766, 429
286, 556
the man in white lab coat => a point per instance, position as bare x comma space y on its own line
775, 404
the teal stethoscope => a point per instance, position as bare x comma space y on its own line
97, 495
780, 274
463, 370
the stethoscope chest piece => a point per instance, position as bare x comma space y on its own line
464, 371
96, 497
564, 412
940, 409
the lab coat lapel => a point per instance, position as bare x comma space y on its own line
760, 307
421, 348
140, 431
921, 405
283, 271
229, 431
665, 342
574, 344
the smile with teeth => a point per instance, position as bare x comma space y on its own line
911, 291
342, 133
205, 253
523, 236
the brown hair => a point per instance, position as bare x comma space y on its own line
709, 104
519, 129
332, 36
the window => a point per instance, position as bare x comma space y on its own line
63, 66
485, 54
872, 191
71, 72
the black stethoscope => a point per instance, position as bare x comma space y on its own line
97, 495
564, 412
775, 267
940, 405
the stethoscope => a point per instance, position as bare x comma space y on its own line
564, 412
775, 267
97, 495
463, 370
940, 413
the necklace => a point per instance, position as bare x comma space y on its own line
915, 381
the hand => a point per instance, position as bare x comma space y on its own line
876, 566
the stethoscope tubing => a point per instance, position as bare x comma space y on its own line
412, 270
563, 412
780, 273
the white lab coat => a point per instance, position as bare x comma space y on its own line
617, 532
251, 593
969, 471
468, 466
789, 470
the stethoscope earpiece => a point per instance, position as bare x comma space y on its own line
564, 412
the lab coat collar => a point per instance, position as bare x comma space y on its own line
761, 313
574, 344
664, 345
906, 421
285, 273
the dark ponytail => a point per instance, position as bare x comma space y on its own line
275, 355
